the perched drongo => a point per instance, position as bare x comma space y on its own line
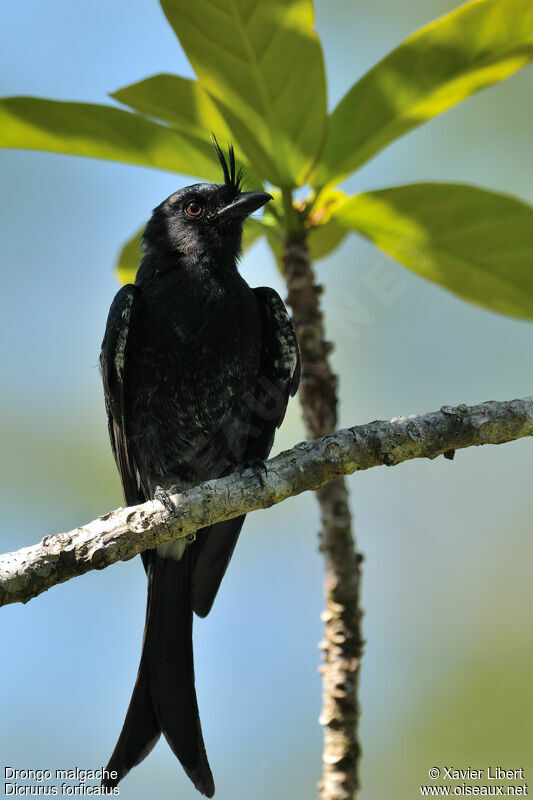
197, 369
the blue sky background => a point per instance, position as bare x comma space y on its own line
447, 589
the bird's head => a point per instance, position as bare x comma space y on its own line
200, 226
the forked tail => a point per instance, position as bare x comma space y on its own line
164, 697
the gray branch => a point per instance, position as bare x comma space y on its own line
122, 534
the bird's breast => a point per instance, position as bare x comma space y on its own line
192, 365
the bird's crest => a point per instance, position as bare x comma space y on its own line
231, 178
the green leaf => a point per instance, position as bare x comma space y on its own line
181, 102
324, 234
324, 239
476, 243
97, 131
185, 105
130, 256
262, 64
475, 46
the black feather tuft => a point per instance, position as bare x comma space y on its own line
231, 178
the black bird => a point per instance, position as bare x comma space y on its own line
197, 369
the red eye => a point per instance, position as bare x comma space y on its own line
194, 209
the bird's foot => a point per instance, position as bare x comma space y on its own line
258, 467
164, 497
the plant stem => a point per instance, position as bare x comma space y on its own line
343, 644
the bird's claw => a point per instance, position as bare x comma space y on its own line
258, 467
164, 497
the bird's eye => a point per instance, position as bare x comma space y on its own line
194, 209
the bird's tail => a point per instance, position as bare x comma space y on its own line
164, 697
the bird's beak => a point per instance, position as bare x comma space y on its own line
244, 205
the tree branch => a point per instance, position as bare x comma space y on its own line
342, 644
122, 534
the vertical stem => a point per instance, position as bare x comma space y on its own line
342, 645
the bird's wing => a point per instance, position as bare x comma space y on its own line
279, 374
278, 378
113, 359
